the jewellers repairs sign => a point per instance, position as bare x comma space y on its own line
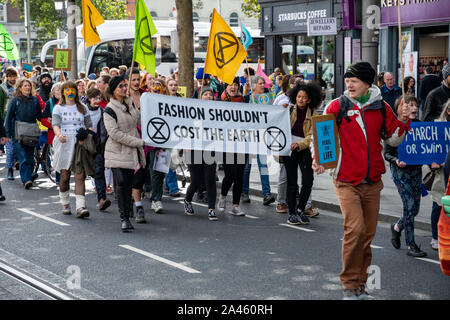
322, 27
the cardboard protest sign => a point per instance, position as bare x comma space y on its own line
425, 143
326, 140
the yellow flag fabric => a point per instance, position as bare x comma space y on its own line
91, 20
225, 52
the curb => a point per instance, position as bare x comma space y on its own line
382, 216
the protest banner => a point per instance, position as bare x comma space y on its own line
425, 143
326, 140
62, 59
174, 122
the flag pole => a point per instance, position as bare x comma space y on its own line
400, 50
129, 77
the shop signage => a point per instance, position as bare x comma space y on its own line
322, 27
294, 18
414, 11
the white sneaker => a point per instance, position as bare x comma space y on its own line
221, 204
434, 244
157, 206
236, 211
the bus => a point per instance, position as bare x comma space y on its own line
117, 40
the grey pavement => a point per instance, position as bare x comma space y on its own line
324, 197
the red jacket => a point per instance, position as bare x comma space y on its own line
46, 123
360, 157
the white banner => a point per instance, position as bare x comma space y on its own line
179, 123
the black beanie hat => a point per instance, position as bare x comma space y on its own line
115, 81
45, 75
361, 70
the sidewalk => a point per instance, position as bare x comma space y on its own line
324, 197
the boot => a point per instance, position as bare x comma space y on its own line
10, 174
124, 210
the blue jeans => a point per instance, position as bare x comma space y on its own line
435, 214
263, 174
171, 183
25, 156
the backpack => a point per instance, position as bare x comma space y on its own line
345, 105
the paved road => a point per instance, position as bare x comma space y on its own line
175, 256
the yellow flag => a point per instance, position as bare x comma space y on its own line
91, 20
225, 52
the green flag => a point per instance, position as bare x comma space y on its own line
8, 48
143, 51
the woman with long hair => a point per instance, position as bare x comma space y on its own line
147, 82
23, 107
408, 179
124, 152
409, 83
305, 98
68, 117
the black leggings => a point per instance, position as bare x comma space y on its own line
233, 167
302, 159
199, 173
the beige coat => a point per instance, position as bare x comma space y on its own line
307, 127
124, 142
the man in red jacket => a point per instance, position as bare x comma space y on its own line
364, 119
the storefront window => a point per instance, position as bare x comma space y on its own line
287, 55
325, 65
305, 56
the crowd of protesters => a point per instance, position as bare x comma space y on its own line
93, 126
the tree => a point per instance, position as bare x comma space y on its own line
45, 19
251, 8
185, 31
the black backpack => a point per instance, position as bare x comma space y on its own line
345, 105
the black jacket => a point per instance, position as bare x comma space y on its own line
391, 154
2, 130
435, 102
428, 83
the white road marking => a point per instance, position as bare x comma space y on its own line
163, 260
429, 260
375, 247
43, 217
250, 216
296, 227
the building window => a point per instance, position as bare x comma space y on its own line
3, 13
234, 20
195, 16
154, 15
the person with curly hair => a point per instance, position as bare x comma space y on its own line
305, 98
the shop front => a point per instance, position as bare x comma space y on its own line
288, 46
424, 38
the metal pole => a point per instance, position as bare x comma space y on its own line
72, 37
28, 29
219, 6
369, 34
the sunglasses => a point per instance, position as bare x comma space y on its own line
123, 85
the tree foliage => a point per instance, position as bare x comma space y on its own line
251, 8
45, 19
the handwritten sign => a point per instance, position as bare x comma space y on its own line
62, 59
425, 143
264, 98
326, 140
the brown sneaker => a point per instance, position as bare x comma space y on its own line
311, 212
103, 204
82, 213
281, 208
